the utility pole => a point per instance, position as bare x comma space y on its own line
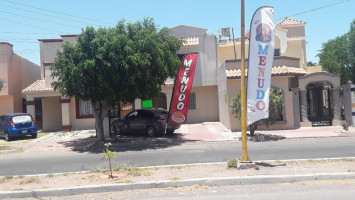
245, 157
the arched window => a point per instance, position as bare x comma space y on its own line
279, 91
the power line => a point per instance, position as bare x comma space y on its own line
55, 12
66, 19
28, 33
29, 25
42, 20
325, 6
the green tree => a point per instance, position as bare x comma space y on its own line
120, 64
310, 63
338, 55
276, 103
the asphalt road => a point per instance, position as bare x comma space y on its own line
168, 153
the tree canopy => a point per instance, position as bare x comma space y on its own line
276, 104
338, 55
109, 65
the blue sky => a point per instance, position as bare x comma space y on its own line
23, 22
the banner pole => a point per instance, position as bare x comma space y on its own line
245, 157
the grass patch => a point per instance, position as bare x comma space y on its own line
99, 170
174, 178
41, 134
50, 176
9, 148
134, 171
33, 179
4, 179
232, 163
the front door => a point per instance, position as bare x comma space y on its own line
38, 114
319, 107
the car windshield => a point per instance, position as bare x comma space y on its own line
21, 119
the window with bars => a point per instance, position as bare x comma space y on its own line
192, 101
84, 109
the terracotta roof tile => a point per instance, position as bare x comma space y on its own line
276, 71
38, 86
288, 21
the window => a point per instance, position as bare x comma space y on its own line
277, 52
280, 92
84, 109
192, 101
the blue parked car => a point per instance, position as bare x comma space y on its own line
17, 124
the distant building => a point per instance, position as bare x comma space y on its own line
16, 74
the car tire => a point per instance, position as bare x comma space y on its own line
34, 135
7, 137
116, 129
151, 131
170, 132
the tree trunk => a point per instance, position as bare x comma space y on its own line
99, 113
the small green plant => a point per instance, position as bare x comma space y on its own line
108, 156
232, 163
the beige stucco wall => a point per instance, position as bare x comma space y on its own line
17, 73
233, 87
223, 100
51, 114
7, 104
86, 123
334, 79
296, 49
206, 105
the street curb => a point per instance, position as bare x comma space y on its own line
218, 181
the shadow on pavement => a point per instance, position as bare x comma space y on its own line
258, 137
124, 143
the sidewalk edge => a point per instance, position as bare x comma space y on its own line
218, 181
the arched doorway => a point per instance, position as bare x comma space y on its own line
319, 107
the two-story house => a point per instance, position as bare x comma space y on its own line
16, 73
310, 98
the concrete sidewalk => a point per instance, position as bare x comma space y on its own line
215, 131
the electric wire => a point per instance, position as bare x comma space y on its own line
52, 11
66, 19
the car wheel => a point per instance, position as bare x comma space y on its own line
116, 129
34, 135
151, 131
7, 137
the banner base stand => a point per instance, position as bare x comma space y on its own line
245, 165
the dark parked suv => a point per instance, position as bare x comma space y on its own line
151, 121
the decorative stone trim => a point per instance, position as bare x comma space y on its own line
66, 128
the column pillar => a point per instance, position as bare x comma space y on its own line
336, 107
65, 104
137, 104
296, 107
304, 108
